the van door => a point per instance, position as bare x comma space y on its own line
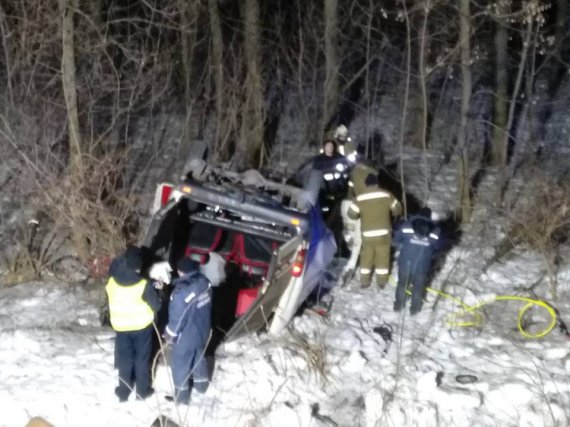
168, 231
276, 283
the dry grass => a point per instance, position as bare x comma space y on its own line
543, 223
87, 218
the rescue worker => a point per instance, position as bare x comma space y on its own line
352, 230
133, 302
418, 239
334, 187
189, 330
335, 171
374, 206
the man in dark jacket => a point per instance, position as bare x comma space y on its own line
418, 239
334, 168
188, 329
133, 302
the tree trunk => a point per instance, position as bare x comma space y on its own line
4, 31
67, 8
188, 10
464, 189
424, 96
505, 178
251, 143
218, 68
331, 62
417, 127
561, 11
405, 106
501, 91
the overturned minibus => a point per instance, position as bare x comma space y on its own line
273, 240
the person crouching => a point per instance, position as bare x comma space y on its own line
188, 330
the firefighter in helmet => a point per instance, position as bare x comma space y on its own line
360, 167
376, 208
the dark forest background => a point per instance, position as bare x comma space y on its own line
78, 78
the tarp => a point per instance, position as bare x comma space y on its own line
322, 249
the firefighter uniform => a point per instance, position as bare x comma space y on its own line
374, 206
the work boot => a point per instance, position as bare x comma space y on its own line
381, 282
149, 392
122, 393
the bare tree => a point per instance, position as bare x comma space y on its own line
67, 9
217, 63
188, 21
331, 87
251, 138
466, 86
501, 85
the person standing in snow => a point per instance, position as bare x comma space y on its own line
133, 302
189, 330
334, 168
375, 208
352, 226
418, 239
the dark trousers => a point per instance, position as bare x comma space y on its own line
416, 277
186, 364
132, 358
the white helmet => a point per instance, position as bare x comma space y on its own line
341, 133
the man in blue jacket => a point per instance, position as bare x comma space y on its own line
188, 329
133, 302
418, 239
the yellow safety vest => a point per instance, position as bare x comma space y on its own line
129, 312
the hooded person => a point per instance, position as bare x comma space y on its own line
189, 329
418, 240
133, 302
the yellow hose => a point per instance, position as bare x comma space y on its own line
476, 318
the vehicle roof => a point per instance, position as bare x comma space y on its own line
264, 206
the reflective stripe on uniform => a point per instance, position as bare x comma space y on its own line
373, 195
328, 176
128, 311
375, 233
394, 204
408, 230
382, 271
365, 271
434, 236
350, 184
354, 208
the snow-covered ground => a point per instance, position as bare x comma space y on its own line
57, 361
